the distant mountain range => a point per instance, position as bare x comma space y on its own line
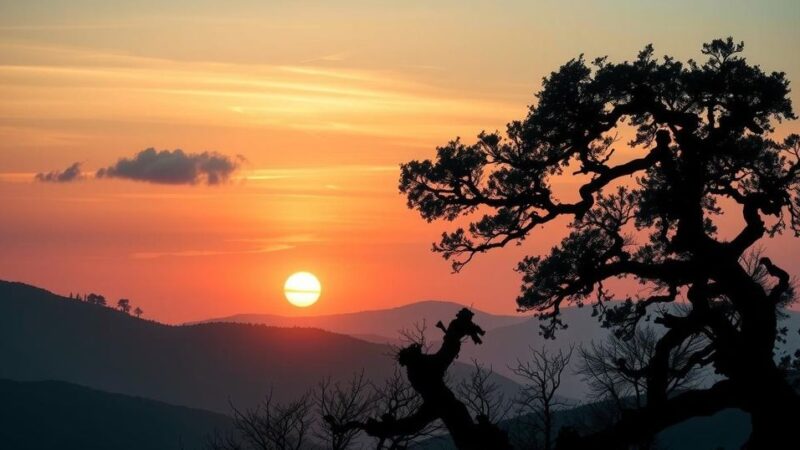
382, 326
53, 415
44, 336
508, 338
503, 346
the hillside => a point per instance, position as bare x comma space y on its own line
44, 336
53, 415
378, 325
47, 337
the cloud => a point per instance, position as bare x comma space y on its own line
71, 173
174, 167
185, 253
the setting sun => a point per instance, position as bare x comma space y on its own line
302, 289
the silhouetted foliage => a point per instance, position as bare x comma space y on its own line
138, 312
700, 146
124, 305
538, 401
96, 299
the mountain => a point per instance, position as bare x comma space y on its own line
44, 336
507, 337
380, 326
504, 345
53, 415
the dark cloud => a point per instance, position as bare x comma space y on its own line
71, 173
174, 167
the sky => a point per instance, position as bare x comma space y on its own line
304, 111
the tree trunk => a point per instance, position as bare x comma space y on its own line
426, 373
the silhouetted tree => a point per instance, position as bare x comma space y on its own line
138, 312
124, 305
538, 401
426, 373
482, 396
700, 146
616, 373
96, 299
396, 398
341, 403
616, 370
269, 426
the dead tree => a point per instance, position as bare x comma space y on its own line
338, 402
271, 425
482, 396
616, 372
539, 402
426, 373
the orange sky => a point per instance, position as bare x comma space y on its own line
324, 102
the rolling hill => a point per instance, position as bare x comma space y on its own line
381, 325
44, 336
508, 338
53, 415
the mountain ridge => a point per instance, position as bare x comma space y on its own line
372, 325
46, 336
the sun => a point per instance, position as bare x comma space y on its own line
302, 289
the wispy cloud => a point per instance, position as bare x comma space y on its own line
315, 172
199, 253
66, 26
301, 97
289, 239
